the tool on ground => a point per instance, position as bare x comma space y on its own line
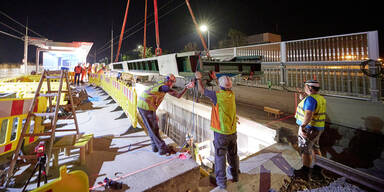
52, 114
41, 160
109, 183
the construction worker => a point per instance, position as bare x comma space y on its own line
223, 123
147, 104
89, 71
83, 72
77, 73
310, 116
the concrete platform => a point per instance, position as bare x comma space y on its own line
120, 152
266, 170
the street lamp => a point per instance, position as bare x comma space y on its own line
204, 28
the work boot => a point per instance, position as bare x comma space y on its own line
317, 173
303, 172
164, 151
154, 148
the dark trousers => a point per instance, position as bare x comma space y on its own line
77, 76
225, 149
149, 119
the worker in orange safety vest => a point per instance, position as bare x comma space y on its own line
223, 124
78, 70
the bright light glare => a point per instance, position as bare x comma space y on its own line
203, 28
139, 46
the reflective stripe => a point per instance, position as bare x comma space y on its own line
151, 97
318, 119
223, 115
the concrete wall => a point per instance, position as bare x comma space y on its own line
252, 136
358, 114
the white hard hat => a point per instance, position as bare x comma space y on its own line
225, 82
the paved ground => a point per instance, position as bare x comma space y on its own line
119, 151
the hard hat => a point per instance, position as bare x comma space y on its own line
225, 82
170, 77
312, 83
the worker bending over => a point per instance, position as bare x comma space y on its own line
149, 101
223, 123
310, 116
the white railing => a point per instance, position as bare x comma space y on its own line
347, 47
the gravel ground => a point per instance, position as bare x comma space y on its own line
339, 185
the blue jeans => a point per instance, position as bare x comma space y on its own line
77, 76
149, 119
225, 149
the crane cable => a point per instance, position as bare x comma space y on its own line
197, 27
134, 32
158, 50
145, 29
125, 31
122, 32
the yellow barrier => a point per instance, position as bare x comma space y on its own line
13, 115
27, 89
122, 94
73, 181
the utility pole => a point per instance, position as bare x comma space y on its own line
112, 44
25, 60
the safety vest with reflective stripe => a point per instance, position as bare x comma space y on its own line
223, 115
151, 98
318, 119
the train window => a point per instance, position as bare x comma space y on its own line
15, 123
118, 66
3, 131
155, 65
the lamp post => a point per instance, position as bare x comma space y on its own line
204, 28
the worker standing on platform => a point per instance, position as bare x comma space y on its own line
77, 74
149, 101
89, 71
310, 116
223, 123
83, 72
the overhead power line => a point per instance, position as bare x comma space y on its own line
13, 29
9, 17
16, 37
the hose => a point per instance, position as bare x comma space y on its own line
379, 65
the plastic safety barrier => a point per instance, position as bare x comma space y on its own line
27, 89
13, 115
122, 94
73, 181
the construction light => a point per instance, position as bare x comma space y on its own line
203, 28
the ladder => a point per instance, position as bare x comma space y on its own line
52, 113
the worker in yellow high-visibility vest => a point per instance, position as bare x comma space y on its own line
310, 116
149, 101
223, 123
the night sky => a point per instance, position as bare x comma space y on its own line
91, 21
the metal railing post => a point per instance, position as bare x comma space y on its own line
373, 55
283, 60
373, 82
